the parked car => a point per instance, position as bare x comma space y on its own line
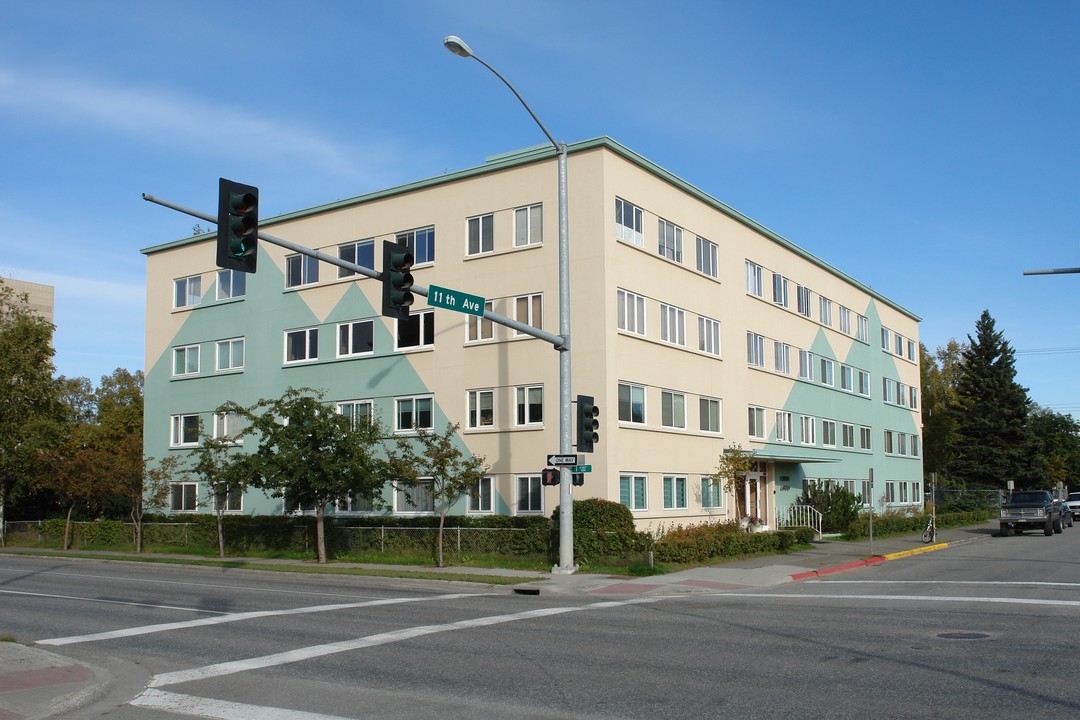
1073, 503
1066, 513
1030, 510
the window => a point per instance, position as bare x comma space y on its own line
828, 433
706, 257
901, 443
230, 354
188, 292
416, 332
632, 492
356, 338
354, 503
631, 312
890, 491
233, 498
357, 411
708, 335
885, 339
480, 328
481, 408
753, 278
898, 348
847, 432
755, 349
712, 494
530, 494
628, 223
864, 383
782, 357
903, 492
184, 430
845, 320
184, 497
481, 234
808, 426
418, 498
301, 270
301, 345
845, 378
914, 446
481, 495
528, 225
672, 409
530, 404
862, 329
887, 392
709, 413
529, 309
411, 413
913, 399
672, 324
825, 311
803, 294
783, 426
186, 360
231, 284
806, 365
360, 253
864, 438
901, 394
228, 426
756, 424
674, 492
911, 350
421, 243
631, 403
827, 367
670, 240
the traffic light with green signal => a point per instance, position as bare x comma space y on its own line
588, 423
237, 225
397, 281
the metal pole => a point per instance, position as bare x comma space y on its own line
871, 512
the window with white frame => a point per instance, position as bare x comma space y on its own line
901, 443
632, 492
866, 492
783, 426
708, 335
631, 310
183, 430
901, 394
898, 348
890, 491
228, 426
914, 446
706, 258
845, 320
756, 422
528, 225
418, 331
862, 331
824, 310
828, 433
233, 499
755, 349
847, 435
530, 404
480, 328
361, 252
481, 409
808, 426
709, 414
230, 354
864, 438
187, 292
782, 357
911, 350
672, 409
803, 295
301, 345
670, 241
356, 338
358, 411
888, 390
864, 383
672, 324
753, 279
827, 368
301, 270
184, 497
354, 503
231, 284
530, 494
887, 436
421, 243
712, 494
780, 290
185, 360
628, 223
481, 496
631, 403
414, 499
885, 339
481, 232
529, 310
913, 398
846, 378
674, 492
411, 413
806, 365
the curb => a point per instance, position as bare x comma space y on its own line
873, 560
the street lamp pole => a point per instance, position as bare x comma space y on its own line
566, 505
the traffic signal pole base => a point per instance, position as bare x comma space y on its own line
560, 570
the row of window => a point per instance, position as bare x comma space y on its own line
672, 321
850, 437
811, 368
634, 492
673, 408
897, 492
187, 291
629, 220
896, 344
804, 304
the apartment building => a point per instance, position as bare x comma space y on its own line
695, 328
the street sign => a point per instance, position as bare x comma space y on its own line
455, 300
581, 469
562, 460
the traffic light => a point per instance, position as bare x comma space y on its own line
588, 424
237, 225
397, 281
549, 476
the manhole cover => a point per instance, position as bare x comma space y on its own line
963, 635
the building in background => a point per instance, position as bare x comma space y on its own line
40, 298
695, 328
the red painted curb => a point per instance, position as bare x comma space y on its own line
837, 568
44, 677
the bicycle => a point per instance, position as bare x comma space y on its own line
930, 533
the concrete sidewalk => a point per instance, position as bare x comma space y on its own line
35, 683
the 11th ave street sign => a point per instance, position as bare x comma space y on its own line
455, 300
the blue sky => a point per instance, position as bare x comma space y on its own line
927, 148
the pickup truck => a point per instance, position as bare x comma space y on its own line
1028, 509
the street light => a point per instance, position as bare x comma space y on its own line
566, 505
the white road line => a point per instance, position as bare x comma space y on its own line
1019, 583
110, 602
219, 709
315, 651
914, 598
147, 629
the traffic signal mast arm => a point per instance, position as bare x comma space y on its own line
557, 341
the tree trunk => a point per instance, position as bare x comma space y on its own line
220, 533
3, 522
67, 527
442, 521
136, 524
320, 536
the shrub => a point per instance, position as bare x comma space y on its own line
602, 529
839, 507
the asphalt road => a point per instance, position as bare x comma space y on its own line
974, 631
